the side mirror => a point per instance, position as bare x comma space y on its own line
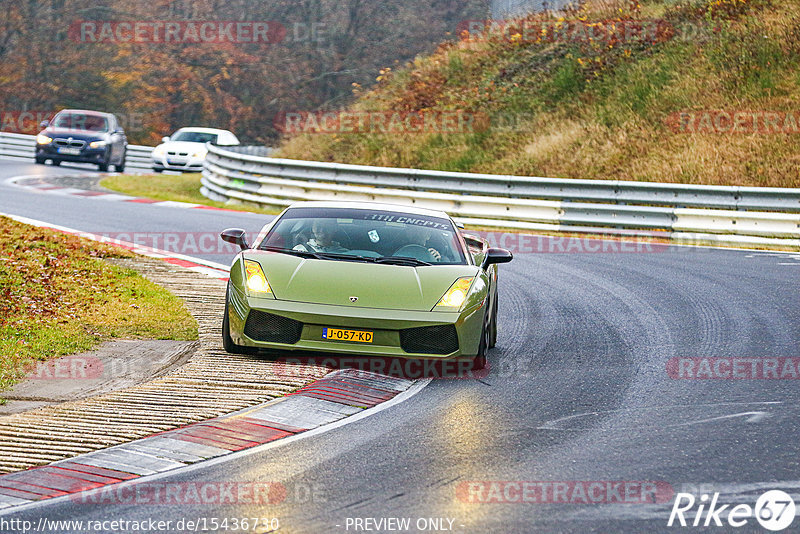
44, 124
459, 225
236, 236
496, 255
165, 139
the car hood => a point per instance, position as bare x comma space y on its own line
83, 135
184, 146
375, 285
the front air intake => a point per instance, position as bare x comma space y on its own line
271, 328
439, 339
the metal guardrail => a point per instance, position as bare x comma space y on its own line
251, 150
743, 215
23, 146
729, 214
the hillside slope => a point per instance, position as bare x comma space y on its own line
229, 65
699, 92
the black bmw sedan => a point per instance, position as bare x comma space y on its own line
83, 136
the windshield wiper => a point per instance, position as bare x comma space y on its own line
401, 260
346, 257
318, 255
392, 260
293, 252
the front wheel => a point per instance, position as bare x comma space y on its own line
103, 165
56, 162
480, 359
39, 161
121, 166
227, 342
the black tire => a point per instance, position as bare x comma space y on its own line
103, 165
227, 343
480, 359
39, 161
158, 169
121, 166
493, 325
56, 162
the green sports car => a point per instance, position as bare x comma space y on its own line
363, 279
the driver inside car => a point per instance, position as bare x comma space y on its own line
323, 232
425, 237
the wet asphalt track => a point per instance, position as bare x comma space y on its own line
578, 391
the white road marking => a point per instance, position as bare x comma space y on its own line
551, 425
754, 417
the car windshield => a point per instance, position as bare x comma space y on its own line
81, 121
365, 235
195, 137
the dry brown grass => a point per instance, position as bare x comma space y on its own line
614, 123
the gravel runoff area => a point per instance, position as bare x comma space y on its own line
211, 383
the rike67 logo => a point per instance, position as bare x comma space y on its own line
774, 510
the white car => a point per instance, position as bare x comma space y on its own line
185, 150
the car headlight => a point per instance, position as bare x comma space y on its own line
255, 279
43, 140
159, 151
97, 144
455, 297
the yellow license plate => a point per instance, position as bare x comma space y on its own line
340, 334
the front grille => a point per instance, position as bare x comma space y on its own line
440, 339
173, 153
262, 326
73, 143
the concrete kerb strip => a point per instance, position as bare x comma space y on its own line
280, 418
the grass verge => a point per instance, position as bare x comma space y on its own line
179, 188
562, 104
58, 297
